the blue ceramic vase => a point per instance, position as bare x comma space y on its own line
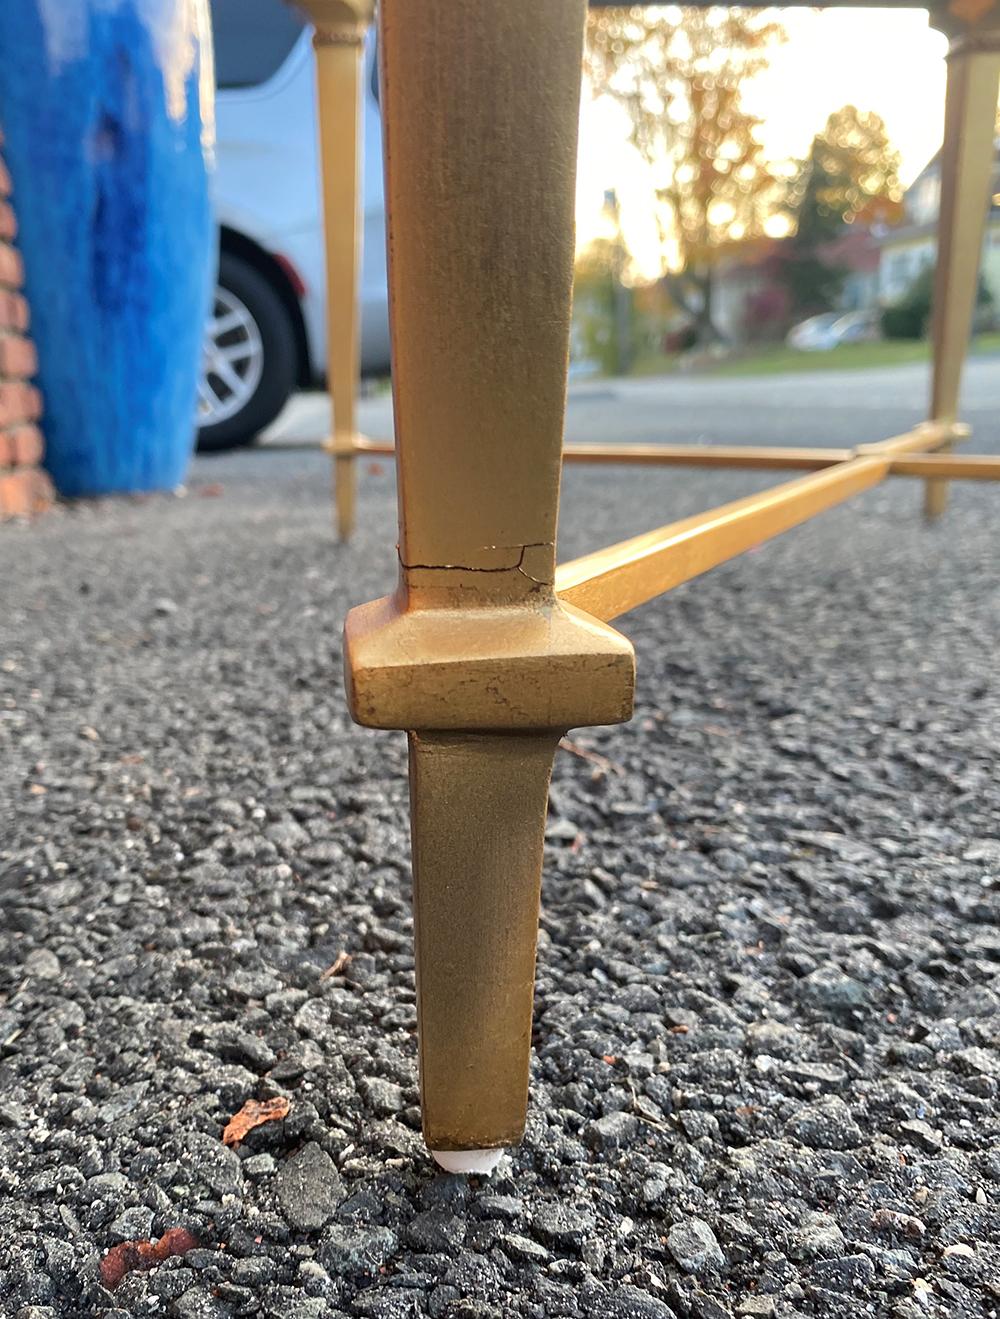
106, 111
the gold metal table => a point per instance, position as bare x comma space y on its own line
486, 653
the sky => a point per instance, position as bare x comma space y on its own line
886, 60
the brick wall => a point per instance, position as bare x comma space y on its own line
24, 487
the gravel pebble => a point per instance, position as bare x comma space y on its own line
351, 1251
826, 1125
817, 1235
611, 1132
847, 1273
309, 1188
627, 1302
436, 1230
694, 1246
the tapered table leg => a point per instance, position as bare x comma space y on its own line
478, 819
967, 160
474, 655
338, 40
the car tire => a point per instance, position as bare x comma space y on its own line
251, 340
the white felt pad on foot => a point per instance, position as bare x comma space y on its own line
468, 1161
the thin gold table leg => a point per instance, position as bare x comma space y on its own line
477, 865
966, 176
474, 655
338, 40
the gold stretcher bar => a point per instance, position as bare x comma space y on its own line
767, 458
973, 467
968, 467
612, 581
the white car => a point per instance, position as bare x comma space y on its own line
833, 328
267, 336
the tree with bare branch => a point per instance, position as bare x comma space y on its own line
680, 74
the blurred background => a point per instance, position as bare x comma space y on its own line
755, 194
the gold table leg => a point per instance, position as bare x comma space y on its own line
474, 655
966, 178
338, 40
477, 865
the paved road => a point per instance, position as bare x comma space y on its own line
768, 986
822, 407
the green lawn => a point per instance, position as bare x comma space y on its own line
779, 360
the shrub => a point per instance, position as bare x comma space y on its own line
910, 316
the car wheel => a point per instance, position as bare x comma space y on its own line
249, 363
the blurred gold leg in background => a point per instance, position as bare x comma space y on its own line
338, 40
967, 158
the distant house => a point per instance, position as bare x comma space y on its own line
751, 303
909, 248
857, 253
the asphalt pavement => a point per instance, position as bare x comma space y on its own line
766, 1069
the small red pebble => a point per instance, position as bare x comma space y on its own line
131, 1256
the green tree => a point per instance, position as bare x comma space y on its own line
603, 310
850, 173
812, 284
679, 74
851, 164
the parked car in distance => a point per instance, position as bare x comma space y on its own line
266, 336
833, 328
